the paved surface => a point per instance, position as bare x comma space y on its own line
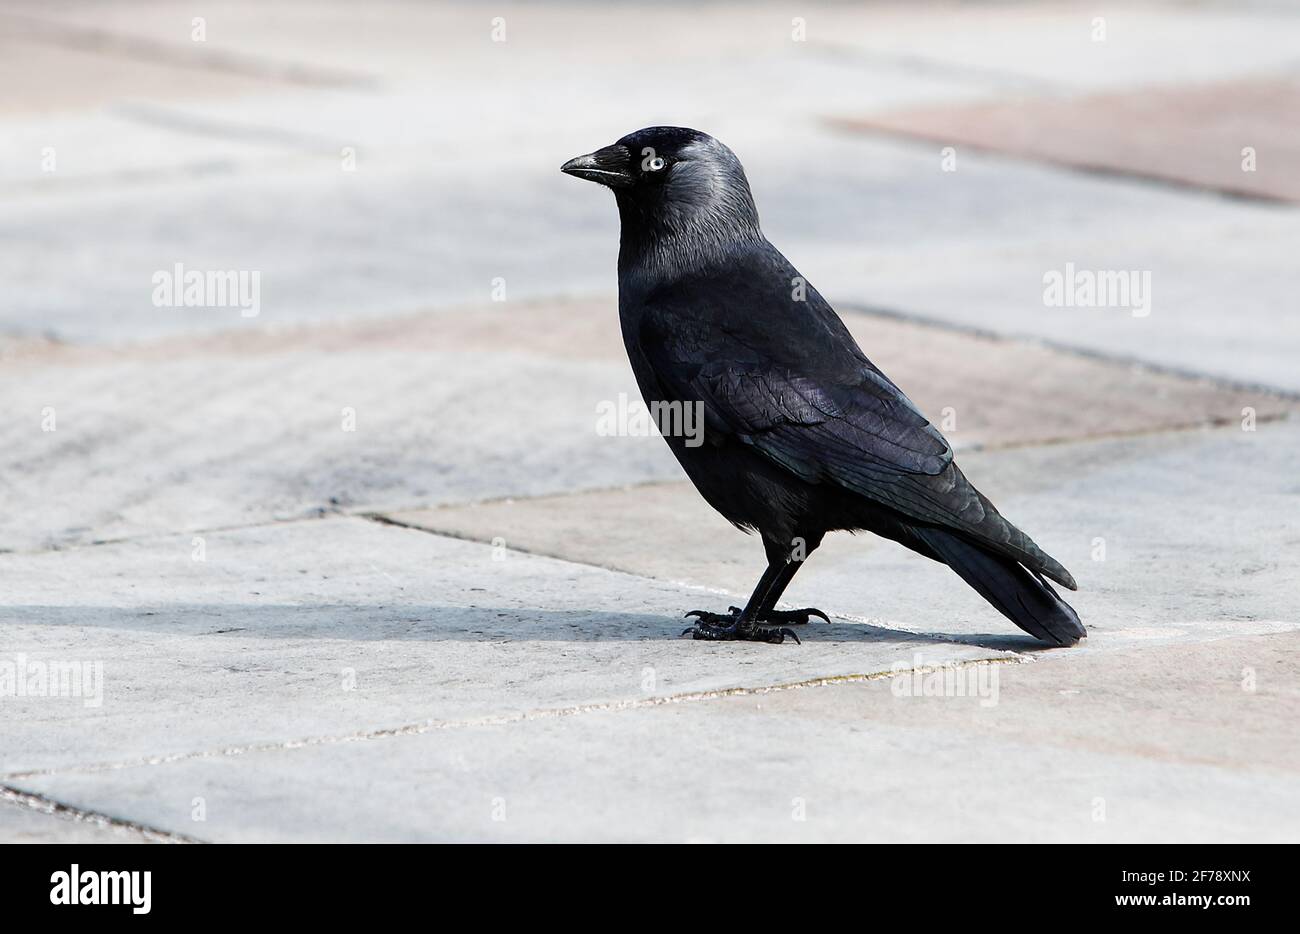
361, 566
1190, 136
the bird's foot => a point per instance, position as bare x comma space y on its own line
735, 632
728, 627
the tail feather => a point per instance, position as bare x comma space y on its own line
1019, 594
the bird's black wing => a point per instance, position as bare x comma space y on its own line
796, 387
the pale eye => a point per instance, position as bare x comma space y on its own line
657, 164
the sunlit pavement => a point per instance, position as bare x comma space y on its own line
352, 558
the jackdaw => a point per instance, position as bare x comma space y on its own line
803, 434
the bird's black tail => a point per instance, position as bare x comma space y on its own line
1019, 594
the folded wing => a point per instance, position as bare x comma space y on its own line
811, 401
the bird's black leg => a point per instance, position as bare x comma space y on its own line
768, 614
746, 624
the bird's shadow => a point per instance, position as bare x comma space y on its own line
443, 623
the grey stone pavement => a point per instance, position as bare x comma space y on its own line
362, 567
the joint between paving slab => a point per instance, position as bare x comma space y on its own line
312, 515
527, 716
939, 324
46, 805
384, 519
157, 52
1222, 422
860, 127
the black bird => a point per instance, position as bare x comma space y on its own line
802, 434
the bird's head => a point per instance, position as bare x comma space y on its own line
673, 184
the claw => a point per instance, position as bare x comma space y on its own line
777, 636
712, 633
796, 617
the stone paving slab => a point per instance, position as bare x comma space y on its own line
1105, 748
261, 643
1056, 48
1197, 136
410, 240
206, 441
1218, 561
478, 403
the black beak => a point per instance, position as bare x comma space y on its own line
610, 166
